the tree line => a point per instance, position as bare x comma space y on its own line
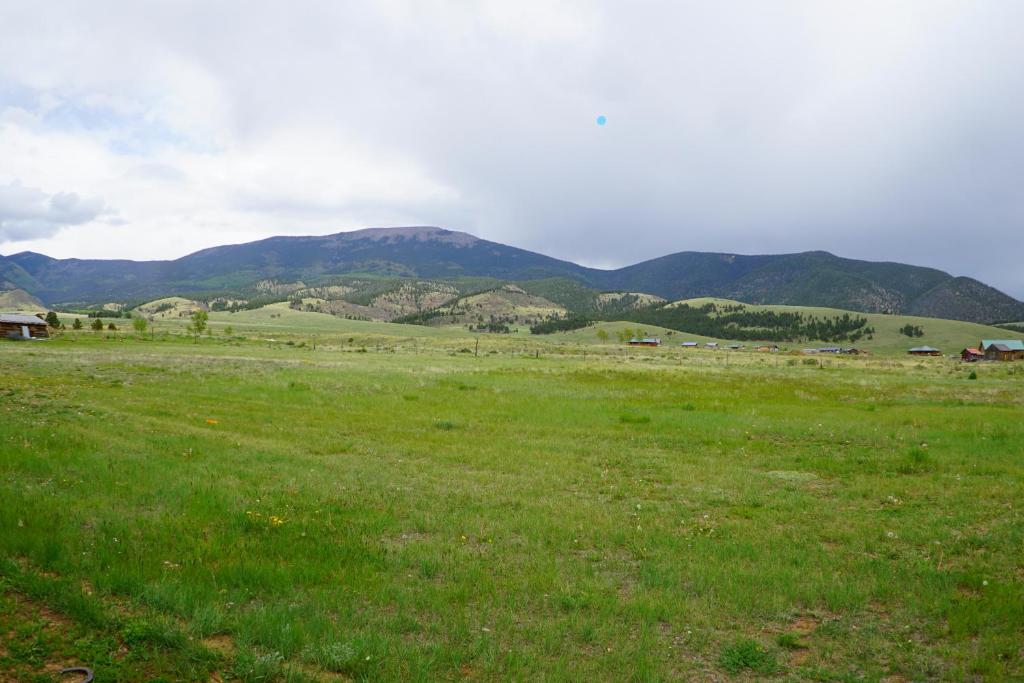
731, 322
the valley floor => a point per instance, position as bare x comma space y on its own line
414, 511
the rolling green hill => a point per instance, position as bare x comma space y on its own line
950, 336
613, 333
14, 300
280, 318
281, 321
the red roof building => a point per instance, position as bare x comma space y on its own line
971, 355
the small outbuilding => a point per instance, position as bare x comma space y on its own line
21, 326
924, 351
645, 341
689, 345
969, 355
1002, 349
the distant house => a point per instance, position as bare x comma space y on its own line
645, 341
712, 345
1002, 349
735, 347
19, 326
689, 345
766, 347
924, 351
971, 355
829, 349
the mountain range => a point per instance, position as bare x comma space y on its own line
814, 278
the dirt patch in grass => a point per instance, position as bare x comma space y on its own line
30, 653
53, 619
403, 539
804, 625
221, 644
798, 657
792, 475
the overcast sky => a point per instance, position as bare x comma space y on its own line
889, 130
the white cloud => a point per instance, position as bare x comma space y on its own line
873, 129
27, 213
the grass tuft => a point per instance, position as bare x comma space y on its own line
744, 654
253, 667
916, 461
789, 641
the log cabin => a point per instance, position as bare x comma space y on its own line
21, 326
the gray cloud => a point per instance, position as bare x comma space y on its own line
27, 213
872, 129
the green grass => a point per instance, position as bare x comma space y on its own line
418, 513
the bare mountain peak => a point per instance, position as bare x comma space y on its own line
420, 233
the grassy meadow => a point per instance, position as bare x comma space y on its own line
305, 498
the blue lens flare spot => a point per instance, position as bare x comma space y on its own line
601, 120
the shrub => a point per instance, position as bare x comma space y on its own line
973, 375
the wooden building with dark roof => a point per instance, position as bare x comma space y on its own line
1002, 349
21, 326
